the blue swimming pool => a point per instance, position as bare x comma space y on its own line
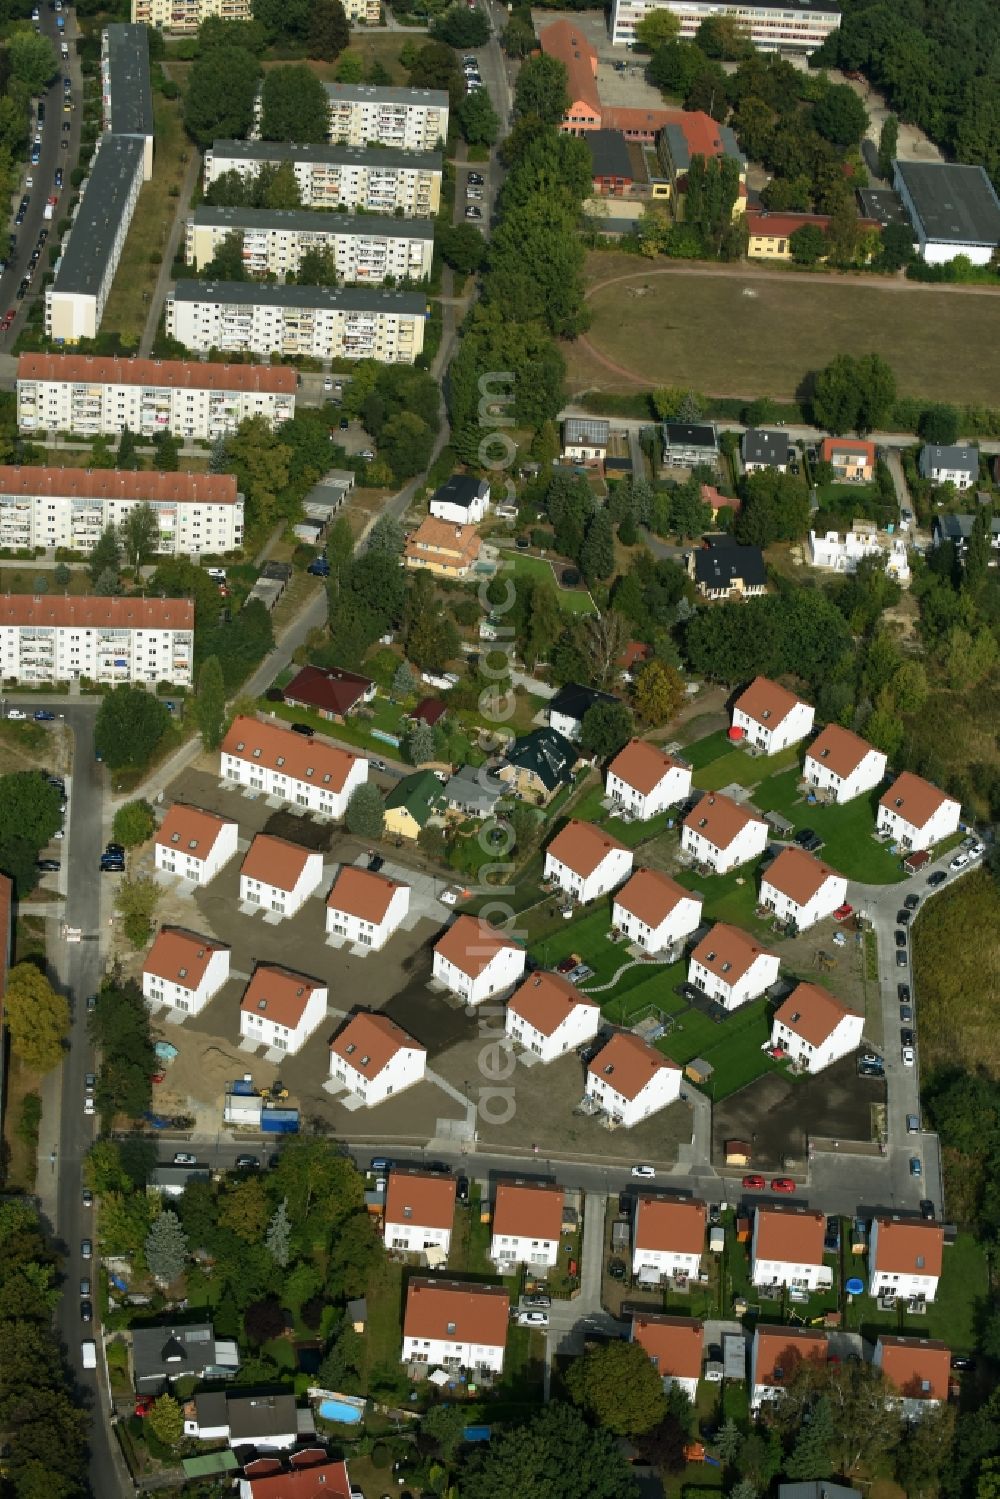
341, 1410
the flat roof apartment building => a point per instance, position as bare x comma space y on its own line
75, 302
111, 640
774, 25
126, 94
321, 321
365, 250
87, 395
410, 119
377, 179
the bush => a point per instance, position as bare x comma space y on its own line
541, 539
381, 1456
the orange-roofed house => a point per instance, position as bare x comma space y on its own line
777, 1354
280, 1009
194, 844
904, 1258
373, 1058
454, 1325
278, 877
364, 908
309, 773
770, 717
654, 911
851, 458
801, 889
630, 1079
675, 1346
549, 1016
644, 781
732, 967
308, 1474
527, 1223
669, 1238
919, 1371
815, 1028
63, 637
419, 1211
915, 814
842, 764
475, 961
586, 862
566, 42
442, 548
723, 834
787, 1249
183, 971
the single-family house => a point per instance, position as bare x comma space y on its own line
643, 780
452, 1324
957, 464
375, 1058
760, 449
309, 1471
690, 444
815, 1028
568, 708
722, 833
585, 440
787, 1248
442, 548
631, 1079
731, 967
770, 717
194, 844
723, 569
475, 961
330, 692
253, 1420
184, 970
527, 1224
429, 710
918, 1371
675, 1346
364, 907
279, 876
842, 553
654, 911
473, 791
958, 530
274, 761
419, 1211
173, 1181
841, 762
585, 861
915, 814
548, 1016
540, 764
462, 500
412, 803
851, 458
904, 1258
162, 1354
669, 1238
801, 889
281, 1009
634, 656
776, 1355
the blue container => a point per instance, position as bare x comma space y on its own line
279, 1121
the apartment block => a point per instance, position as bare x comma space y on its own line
410, 119
795, 26
126, 94
75, 302
376, 179
114, 640
320, 321
365, 250
183, 17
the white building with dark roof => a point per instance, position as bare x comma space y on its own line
760, 449
463, 499
954, 210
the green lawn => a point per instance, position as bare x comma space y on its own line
736, 765
733, 1046
847, 831
573, 600
632, 834
729, 897
954, 1315
470, 1240
384, 1332
704, 751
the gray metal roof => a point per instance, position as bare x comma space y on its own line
883, 205
254, 1416
95, 228
312, 222
128, 80
170, 1351
953, 204
609, 154
691, 435
592, 429
468, 788
547, 754
370, 93
760, 446
335, 298
371, 157
963, 456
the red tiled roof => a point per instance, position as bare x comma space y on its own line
812, 1013
913, 799
908, 1248
426, 1198
791, 1234
766, 702
781, 1350
369, 1042
797, 874
545, 999
675, 1224
839, 750
919, 1368
565, 41
362, 893
627, 1063
675, 1344
330, 691
582, 847
96, 613
192, 829
526, 1211
471, 945
478, 1314
321, 1479
635, 652
279, 994
832, 445
642, 765
644, 121
181, 957
429, 710
728, 952
651, 895
313, 760
723, 819
120, 484
178, 374
275, 861
781, 225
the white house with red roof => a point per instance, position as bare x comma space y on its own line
731, 967
723, 834
770, 718
475, 961
183, 970
643, 780
918, 1371
419, 1211
452, 1324
365, 907
669, 1238
280, 1009
374, 1058
307, 1474
787, 1249
654, 911
840, 762
586, 861
815, 1028
194, 844
308, 773
800, 888
631, 1079
527, 1224
904, 1258
675, 1346
915, 814
776, 1356
549, 1016
278, 877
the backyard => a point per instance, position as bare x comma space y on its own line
573, 600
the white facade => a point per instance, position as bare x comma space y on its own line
817, 906
771, 718
814, 1043
310, 774
408, 118
842, 553
640, 1081
839, 762
472, 962
321, 322
357, 929
924, 817
743, 987
403, 1067
468, 514
173, 975
530, 1023
52, 639
803, 1270
631, 785
419, 1212
193, 845
183, 17
954, 210
737, 844
275, 898
651, 921
904, 1259
608, 874
448, 1325
772, 27
365, 250
273, 1031
669, 1239
377, 180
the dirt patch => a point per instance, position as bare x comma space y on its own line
779, 1115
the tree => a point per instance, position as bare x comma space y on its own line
219, 99
854, 394
137, 899
675, 66
461, 27
365, 811
597, 556
130, 724
126, 457
29, 807
218, 457
925, 1451
445, 1425
279, 1235
134, 823
938, 424
606, 728
839, 116
420, 742
329, 30
545, 1459
106, 554
462, 245
404, 681
244, 1210
477, 119
32, 60
165, 1420
210, 703
897, 247
729, 1440
38, 1018
810, 1456
807, 244
618, 1387
166, 452
888, 141
656, 29
317, 267
140, 534
264, 1320
435, 66
541, 89
226, 263
166, 1247
518, 39
775, 508
386, 535
659, 692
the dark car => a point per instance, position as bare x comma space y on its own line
689, 992
306, 730
903, 993
91, 1003
937, 878
912, 902
476, 178
462, 1189
112, 866
963, 1362
344, 423
115, 850
927, 1209
831, 1239
48, 866
899, 936
902, 961
375, 863
803, 836
441, 1167
903, 917
42, 715
319, 567
906, 1014
86, 1311
616, 1269
624, 1203
247, 1163
906, 1038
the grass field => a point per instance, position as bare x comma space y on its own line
847, 831
573, 600
751, 333
371, 47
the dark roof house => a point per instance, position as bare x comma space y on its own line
768, 448
722, 567
609, 155
162, 1354
546, 755
333, 693
568, 708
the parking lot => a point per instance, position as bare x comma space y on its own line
779, 1114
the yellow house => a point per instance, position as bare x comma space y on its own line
442, 547
412, 803
770, 234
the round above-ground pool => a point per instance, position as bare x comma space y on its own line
341, 1410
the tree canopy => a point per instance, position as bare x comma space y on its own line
130, 724
294, 106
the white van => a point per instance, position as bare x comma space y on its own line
88, 1353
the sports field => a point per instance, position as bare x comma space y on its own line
751, 332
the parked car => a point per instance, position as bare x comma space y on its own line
754, 1184
959, 862
532, 1319
908, 1056
903, 917
111, 866
916, 1168
48, 866
782, 1184
902, 961
462, 1190
912, 1124
937, 878
927, 1209
306, 730
963, 1362
899, 937
472, 212
977, 850
88, 1107
89, 1082
842, 912
185, 1158
539, 1302
88, 1198
906, 1037
42, 715
115, 850
86, 1249
616, 1269
86, 1311
247, 1163
906, 1014
903, 993
644, 1173
476, 178
16, 713
912, 902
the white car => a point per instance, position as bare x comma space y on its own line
185, 1158
908, 1056
29, 181
88, 1105
328, 383
532, 1319
959, 861
472, 212
644, 1173
16, 713
474, 194
448, 897
977, 850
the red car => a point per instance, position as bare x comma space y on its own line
842, 912
754, 1183
144, 1405
782, 1184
